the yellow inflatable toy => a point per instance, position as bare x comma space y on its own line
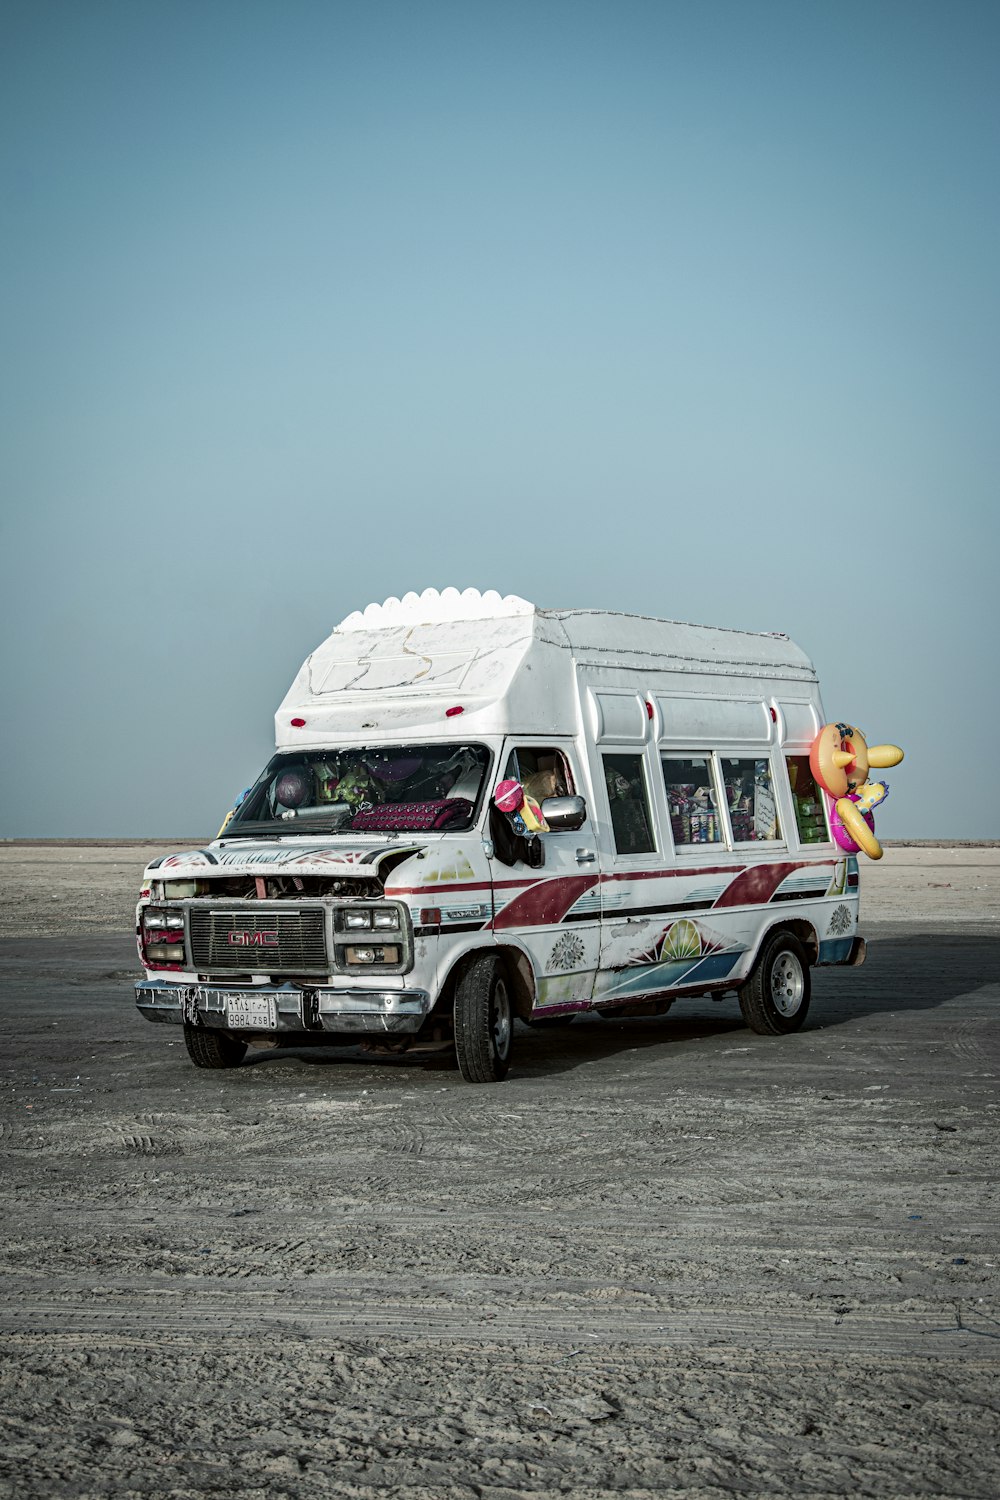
840, 758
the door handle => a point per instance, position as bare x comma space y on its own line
585, 856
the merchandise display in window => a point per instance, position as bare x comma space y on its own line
753, 811
694, 815
807, 799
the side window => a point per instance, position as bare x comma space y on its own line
691, 800
753, 811
807, 799
630, 818
541, 771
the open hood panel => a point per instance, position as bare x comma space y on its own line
249, 858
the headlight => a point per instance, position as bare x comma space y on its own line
365, 918
369, 927
162, 932
154, 916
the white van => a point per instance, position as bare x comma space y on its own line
670, 840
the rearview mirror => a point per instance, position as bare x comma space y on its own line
564, 814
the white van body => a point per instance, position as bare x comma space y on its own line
700, 852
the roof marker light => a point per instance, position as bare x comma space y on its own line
649, 709
450, 713
298, 723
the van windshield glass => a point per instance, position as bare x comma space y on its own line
398, 789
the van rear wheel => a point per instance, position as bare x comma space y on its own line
213, 1049
484, 1021
775, 997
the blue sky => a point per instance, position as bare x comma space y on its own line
690, 309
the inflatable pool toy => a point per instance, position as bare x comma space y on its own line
524, 812
840, 758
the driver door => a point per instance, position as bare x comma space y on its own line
552, 910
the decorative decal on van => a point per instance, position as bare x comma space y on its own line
545, 902
682, 940
683, 952
810, 883
458, 868
196, 858
639, 978
567, 953
296, 859
249, 858
575, 898
841, 921
755, 886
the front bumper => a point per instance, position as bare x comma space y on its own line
296, 1008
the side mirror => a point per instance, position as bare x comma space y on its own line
564, 814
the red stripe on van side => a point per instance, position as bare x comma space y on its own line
547, 901
757, 885
670, 874
752, 885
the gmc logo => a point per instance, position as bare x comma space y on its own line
253, 939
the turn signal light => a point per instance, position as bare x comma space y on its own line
372, 955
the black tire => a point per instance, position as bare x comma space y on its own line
484, 1021
775, 997
213, 1049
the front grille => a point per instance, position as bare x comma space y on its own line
261, 942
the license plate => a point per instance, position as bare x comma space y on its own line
252, 1012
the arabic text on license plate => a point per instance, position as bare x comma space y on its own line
254, 1012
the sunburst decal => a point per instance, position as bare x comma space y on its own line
681, 940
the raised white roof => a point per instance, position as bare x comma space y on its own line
604, 636
590, 633
410, 665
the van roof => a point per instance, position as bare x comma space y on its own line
395, 668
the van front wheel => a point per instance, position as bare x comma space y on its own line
213, 1049
483, 1021
775, 998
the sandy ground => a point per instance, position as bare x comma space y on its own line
664, 1258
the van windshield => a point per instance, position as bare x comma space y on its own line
399, 789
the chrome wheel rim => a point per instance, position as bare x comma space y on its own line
788, 984
501, 1019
